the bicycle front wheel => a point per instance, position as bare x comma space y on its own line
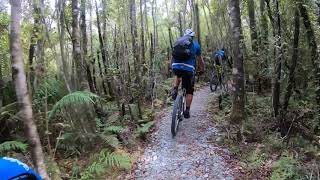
176, 113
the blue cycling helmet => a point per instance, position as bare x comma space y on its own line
13, 169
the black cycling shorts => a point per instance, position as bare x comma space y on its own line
217, 60
187, 79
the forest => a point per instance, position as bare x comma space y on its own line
82, 83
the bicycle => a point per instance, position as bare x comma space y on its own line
217, 79
178, 108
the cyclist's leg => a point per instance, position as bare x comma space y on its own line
176, 82
188, 84
177, 78
216, 60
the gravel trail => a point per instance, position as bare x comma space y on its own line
192, 154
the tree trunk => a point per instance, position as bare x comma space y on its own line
318, 4
76, 48
41, 40
94, 78
184, 13
106, 63
278, 63
36, 40
151, 70
295, 51
154, 21
254, 41
253, 28
314, 54
84, 44
143, 56
33, 42
83, 28
208, 26
238, 111
197, 17
270, 15
170, 38
115, 47
101, 74
264, 33
134, 35
212, 21
192, 14
180, 24
61, 31
19, 78
135, 49
146, 19
103, 52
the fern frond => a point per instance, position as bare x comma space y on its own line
76, 98
145, 128
110, 140
13, 146
104, 160
114, 129
115, 160
99, 124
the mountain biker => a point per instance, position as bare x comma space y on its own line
13, 169
185, 69
219, 57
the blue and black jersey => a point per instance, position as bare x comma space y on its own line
190, 64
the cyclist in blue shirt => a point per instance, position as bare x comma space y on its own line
185, 70
13, 169
219, 56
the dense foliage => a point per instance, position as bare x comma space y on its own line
98, 70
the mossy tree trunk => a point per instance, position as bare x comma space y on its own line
238, 111
20, 83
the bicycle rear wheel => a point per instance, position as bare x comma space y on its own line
225, 85
176, 115
214, 82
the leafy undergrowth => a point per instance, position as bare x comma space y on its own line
94, 147
264, 153
86, 136
111, 149
117, 142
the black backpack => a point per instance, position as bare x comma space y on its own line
182, 48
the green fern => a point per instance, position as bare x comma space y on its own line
70, 143
13, 146
141, 131
102, 161
114, 129
76, 98
49, 90
110, 140
99, 124
286, 168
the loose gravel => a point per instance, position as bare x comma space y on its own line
191, 154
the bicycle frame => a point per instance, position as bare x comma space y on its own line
218, 74
184, 101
